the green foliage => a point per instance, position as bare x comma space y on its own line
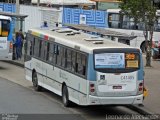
142, 11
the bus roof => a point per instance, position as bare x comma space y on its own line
83, 41
118, 10
5, 17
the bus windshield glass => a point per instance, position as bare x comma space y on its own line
117, 61
116, 20
4, 28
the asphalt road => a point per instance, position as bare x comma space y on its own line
17, 99
17, 96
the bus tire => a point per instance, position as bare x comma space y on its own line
65, 96
35, 82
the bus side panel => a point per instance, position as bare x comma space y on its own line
50, 81
91, 73
141, 71
54, 77
28, 70
5, 53
76, 85
37, 66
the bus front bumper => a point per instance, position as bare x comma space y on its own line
94, 100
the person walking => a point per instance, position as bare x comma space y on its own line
18, 44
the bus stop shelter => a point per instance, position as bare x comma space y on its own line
17, 17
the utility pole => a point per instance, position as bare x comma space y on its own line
38, 2
17, 12
17, 6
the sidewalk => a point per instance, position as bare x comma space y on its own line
152, 83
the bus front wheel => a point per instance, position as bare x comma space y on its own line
65, 96
35, 82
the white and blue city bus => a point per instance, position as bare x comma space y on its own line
6, 43
84, 69
124, 24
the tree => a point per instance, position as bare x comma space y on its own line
142, 11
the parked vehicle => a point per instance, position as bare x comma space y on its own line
125, 24
6, 39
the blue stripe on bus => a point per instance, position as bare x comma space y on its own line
91, 72
141, 70
10, 36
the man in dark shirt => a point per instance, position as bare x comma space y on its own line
22, 40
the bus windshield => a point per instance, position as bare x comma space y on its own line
116, 20
4, 28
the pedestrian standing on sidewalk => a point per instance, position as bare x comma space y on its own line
18, 45
22, 39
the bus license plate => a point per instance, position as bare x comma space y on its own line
117, 87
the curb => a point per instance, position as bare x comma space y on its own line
14, 63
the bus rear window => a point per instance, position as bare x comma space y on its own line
117, 61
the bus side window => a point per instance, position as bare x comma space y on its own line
78, 63
54, 53
40, 48
59, 55
29, 44
43, 50
47, 50
36, 47
51, 49
64, 57
33, 46
73, 60
68, 62
84, 59
29, 47
81, 61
